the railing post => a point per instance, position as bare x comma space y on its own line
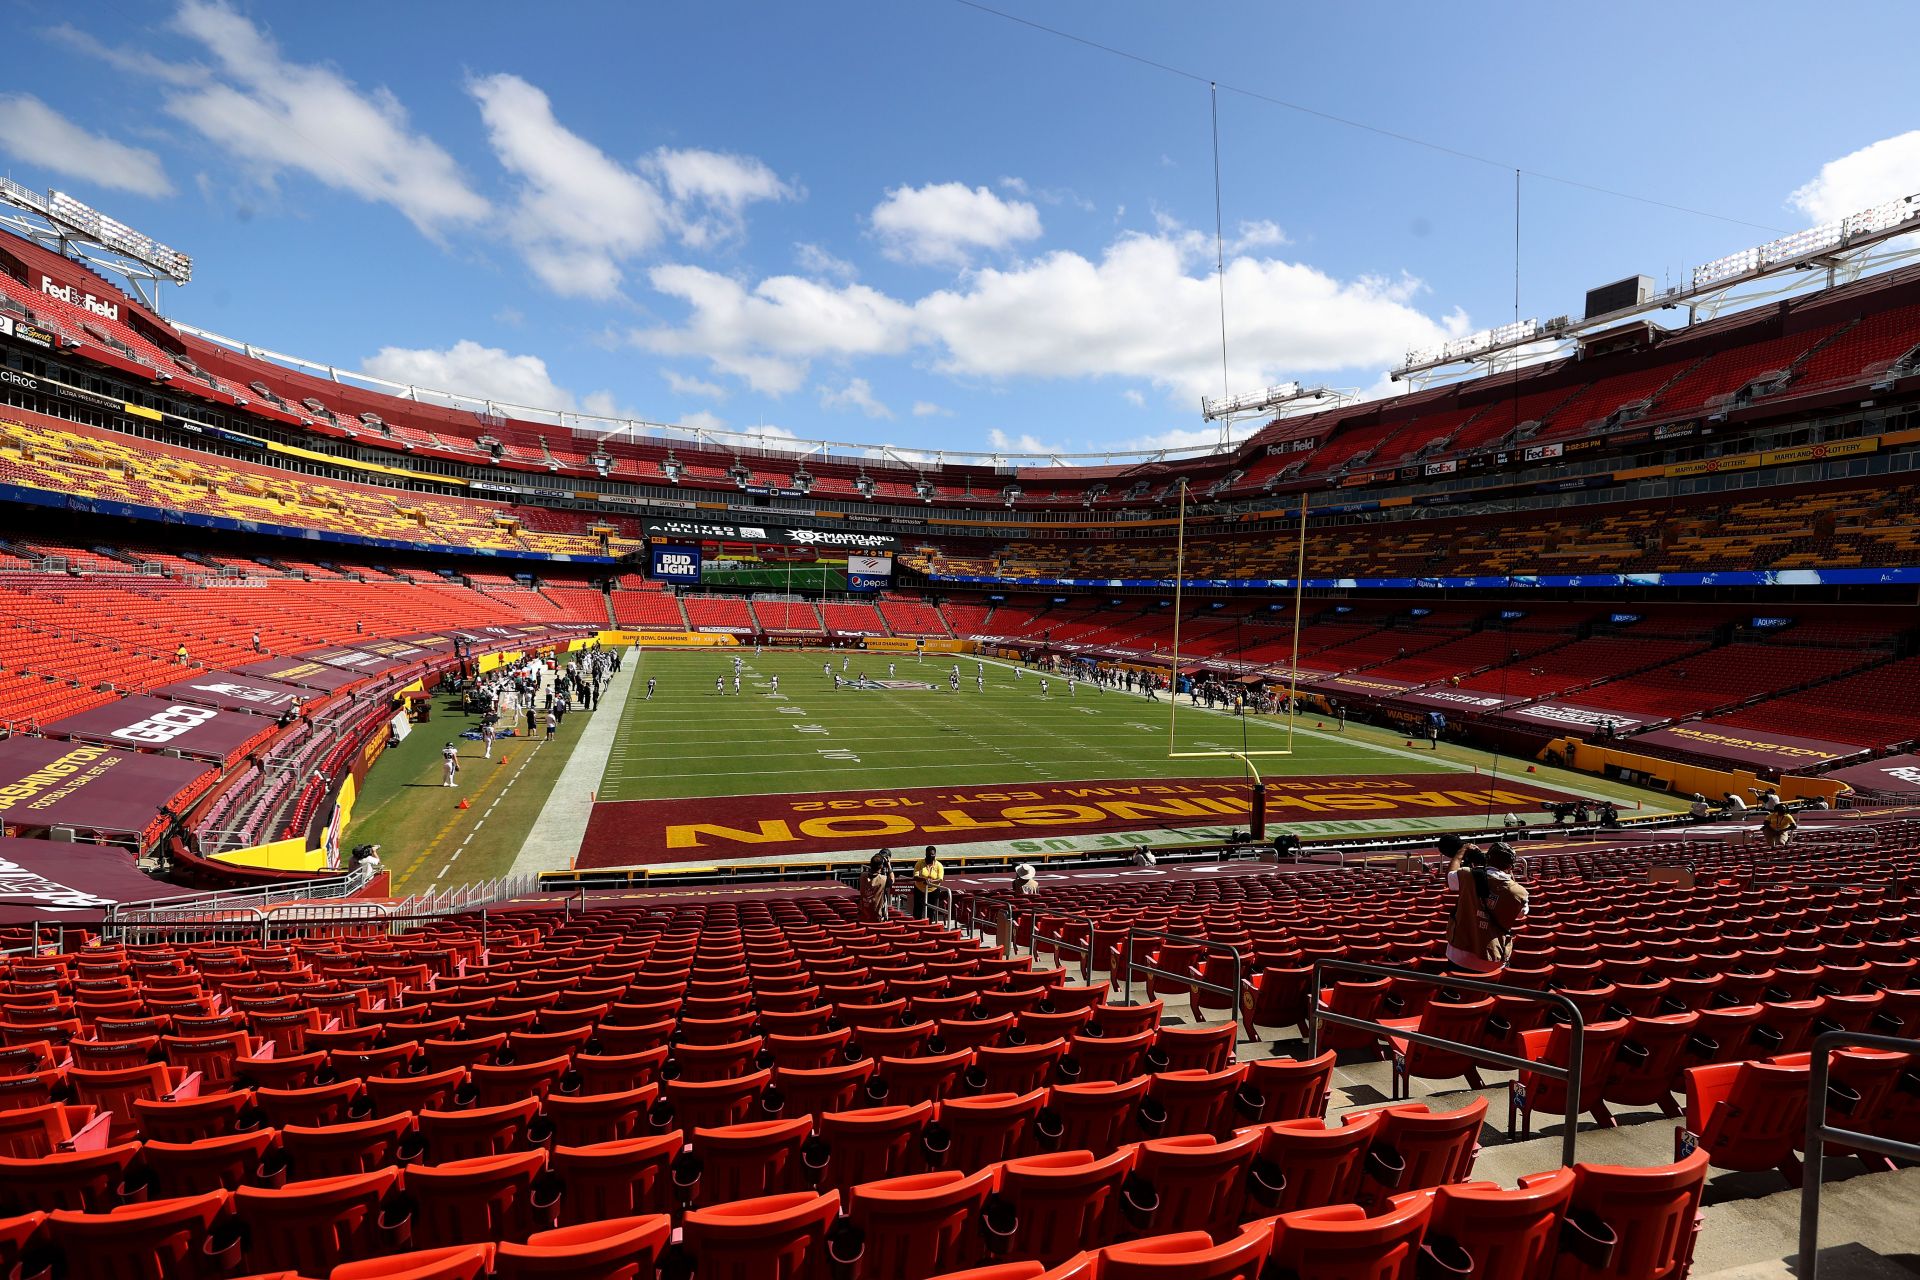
1126, 967
1813, 1164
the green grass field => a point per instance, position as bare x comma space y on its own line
689, 742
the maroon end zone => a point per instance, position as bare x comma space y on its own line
728, 828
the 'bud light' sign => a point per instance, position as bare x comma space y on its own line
676, 562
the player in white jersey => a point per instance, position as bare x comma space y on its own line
826, 668
1043, 686
889, 671
650, 684
720, 685
736, 684
1073, 687
774, 686
981, 682
953, 679
843, 665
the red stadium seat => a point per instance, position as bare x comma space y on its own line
1190, 1255
742, 1161
1640, 1223
620, 1179
750, 1239
924, 1223
1341, 1242
158, 1240
1503, 1235
1198, 1183
871, 1143
490, 1198
1066, 1201
615, 1249
316, 1223
971, 1133
455, 1262
1749, 1115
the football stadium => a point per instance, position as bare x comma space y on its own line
1365, 723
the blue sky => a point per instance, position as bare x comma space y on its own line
922, 223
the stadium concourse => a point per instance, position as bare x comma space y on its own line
431, 828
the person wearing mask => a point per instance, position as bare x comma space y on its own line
876, 886
927, 875
1489, 905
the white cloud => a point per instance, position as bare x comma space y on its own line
856, 394
1133, 397
684, 386
928, 409
137, 62
1860, 179
944, 223
281, 116
1001, 442
712, 189
34, 133
1263, 234
767, 336
580, 214
702, 420
1148, 309
486, 372
815, 261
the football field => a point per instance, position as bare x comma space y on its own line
808, 770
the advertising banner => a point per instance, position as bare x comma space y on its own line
367, 664
300, 671
231, 691
1459, 699
47, 879
160, 724
676, 562
1567, 715
787, 535
117, 789
1893, 774
1761, 748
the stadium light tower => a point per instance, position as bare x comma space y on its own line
1275, 399
1827, 253
58, 222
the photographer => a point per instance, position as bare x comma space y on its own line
1489, 905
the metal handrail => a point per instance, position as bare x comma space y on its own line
1128, 964
1059, 942
1577, 1037
1819, 1133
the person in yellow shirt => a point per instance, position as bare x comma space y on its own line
1779, 826
927, 875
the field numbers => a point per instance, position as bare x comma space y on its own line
839, 753
811, 728
791, 711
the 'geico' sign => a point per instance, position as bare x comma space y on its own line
164, 726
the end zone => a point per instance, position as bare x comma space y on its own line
1033, 817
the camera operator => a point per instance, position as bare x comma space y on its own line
1489, 905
